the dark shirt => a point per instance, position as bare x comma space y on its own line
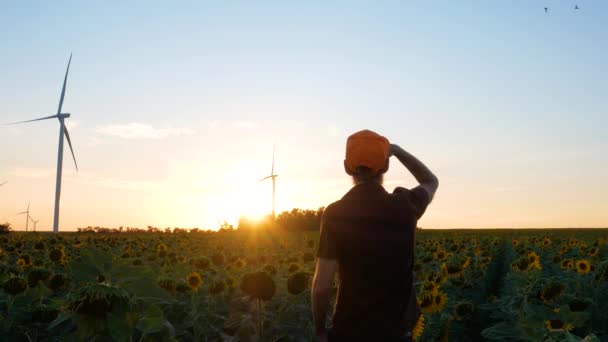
371, 233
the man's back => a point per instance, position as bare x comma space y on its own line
371, 234
368, 238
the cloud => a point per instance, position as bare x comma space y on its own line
135, 130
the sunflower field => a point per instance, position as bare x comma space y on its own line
472, 285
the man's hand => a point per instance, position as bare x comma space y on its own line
393, 150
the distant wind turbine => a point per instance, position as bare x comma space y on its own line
35, 222
27, 216
3, 183
62, 131
273, 177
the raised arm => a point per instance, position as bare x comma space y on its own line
427, 180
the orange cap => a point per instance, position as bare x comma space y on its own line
366, 148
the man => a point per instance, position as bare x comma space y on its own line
368, 237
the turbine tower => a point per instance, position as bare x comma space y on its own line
27, 216
273, 177
62, 131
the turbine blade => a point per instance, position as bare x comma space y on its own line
67, 136
265, 178
3, 183
21, 213
28, 208
65, 80
39, 119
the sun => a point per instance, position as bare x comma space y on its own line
240, 197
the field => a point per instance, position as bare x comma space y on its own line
509, 285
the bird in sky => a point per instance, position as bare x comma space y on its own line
576, 7
546, 9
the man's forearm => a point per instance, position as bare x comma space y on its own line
320, 305
415, 166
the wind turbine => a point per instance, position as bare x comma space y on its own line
35, 222
3, 183
273, 177
62, 131
27, 216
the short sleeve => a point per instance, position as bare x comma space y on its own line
418, 199
327, 240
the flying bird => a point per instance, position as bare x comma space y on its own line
546, 9
576, 7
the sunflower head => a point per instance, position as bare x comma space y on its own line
298, 282
258, 285
440, 300
194, 280
593, 252
426, 302
57, 255
15, 285
551, 291
463, 310
96, 299
583, 266
555, 325
217, 287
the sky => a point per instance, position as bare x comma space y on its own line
176, 107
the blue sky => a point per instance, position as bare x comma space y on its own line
176, 106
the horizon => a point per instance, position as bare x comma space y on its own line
175, 109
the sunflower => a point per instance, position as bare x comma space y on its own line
161, 247
418, 327
217, 287
439, 301
564, 263
429, 287
194, 280
462, 310
56, 254
258, 285
546, 242
558, 325
515, 242
534, 261
583, 266
426, 303
593, 252
564, 249
23, 262
298, 282
15, 285
551, 291
441, 255
570, 264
